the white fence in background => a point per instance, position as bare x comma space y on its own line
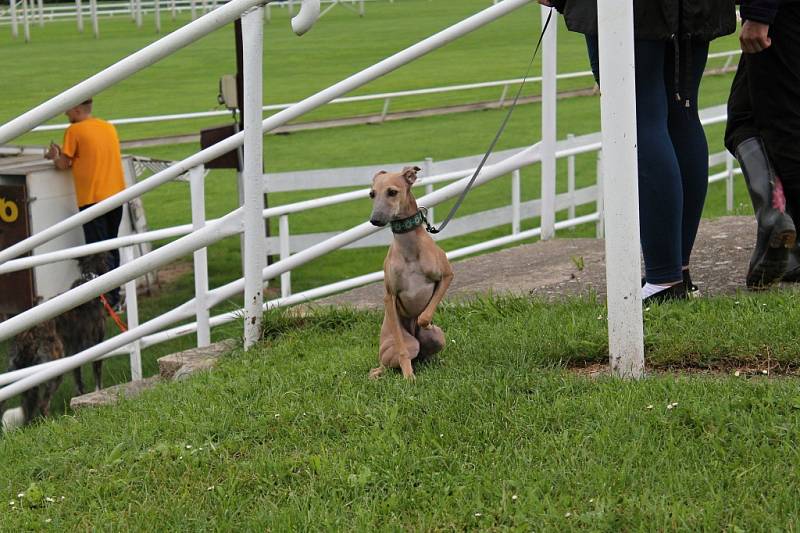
26, 12
387, 98
249, 219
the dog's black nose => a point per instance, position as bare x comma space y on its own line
378, 223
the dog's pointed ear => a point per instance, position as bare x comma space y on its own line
378, 174
410, 174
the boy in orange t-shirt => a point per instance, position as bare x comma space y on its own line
91, 149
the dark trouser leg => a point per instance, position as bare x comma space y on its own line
689, 141
660, 183
103, 228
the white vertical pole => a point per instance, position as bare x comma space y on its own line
193, 10
548, 127
157, 14
361, 9
79, 14
291, 8
25, 23
601, 232
729, 182
516, 201
197, 190
428, 170
95, 24
285, 251
41, 13
138, 13
133, 10
174, 10
621, 188
254, 232
12, 5
205, 6
571, 181
132, 311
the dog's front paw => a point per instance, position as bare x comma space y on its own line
376, 373
424, 320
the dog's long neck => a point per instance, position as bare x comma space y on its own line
409, 243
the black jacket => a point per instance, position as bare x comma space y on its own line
762, 10
661, 19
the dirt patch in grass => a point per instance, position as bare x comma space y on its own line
759, 369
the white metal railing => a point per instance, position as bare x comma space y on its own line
247, 219
226, 226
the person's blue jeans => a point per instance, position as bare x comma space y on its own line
672, 154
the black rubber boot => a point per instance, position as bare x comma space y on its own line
776, 232
793, 267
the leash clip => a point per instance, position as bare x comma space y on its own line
428, 227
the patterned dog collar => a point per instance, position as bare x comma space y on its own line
407, 224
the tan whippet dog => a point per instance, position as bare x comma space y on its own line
416, 275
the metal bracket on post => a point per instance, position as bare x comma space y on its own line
621, 188
549, 103
254, 232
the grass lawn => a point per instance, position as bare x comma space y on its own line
494, 434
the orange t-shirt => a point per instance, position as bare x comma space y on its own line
93, 146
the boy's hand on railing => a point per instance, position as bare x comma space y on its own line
53, 151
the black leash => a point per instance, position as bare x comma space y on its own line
455, 207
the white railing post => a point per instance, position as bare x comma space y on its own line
385, 110
549, 89
571, 182
729, 182
516, 201
26, 27
503, 95
255, 258
132, 312
361, 9
285, 251
78, 14
40, 5
428, 171
600, 232
192, 10
138, 13
198, 195
95, 23
621, 188
157, 15
173, 10
12, 5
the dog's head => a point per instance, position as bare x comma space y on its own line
391, 195
95, 264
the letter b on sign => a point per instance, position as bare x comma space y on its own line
9, 212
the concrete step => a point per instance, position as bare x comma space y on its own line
173, 367
178, 366
111, 395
